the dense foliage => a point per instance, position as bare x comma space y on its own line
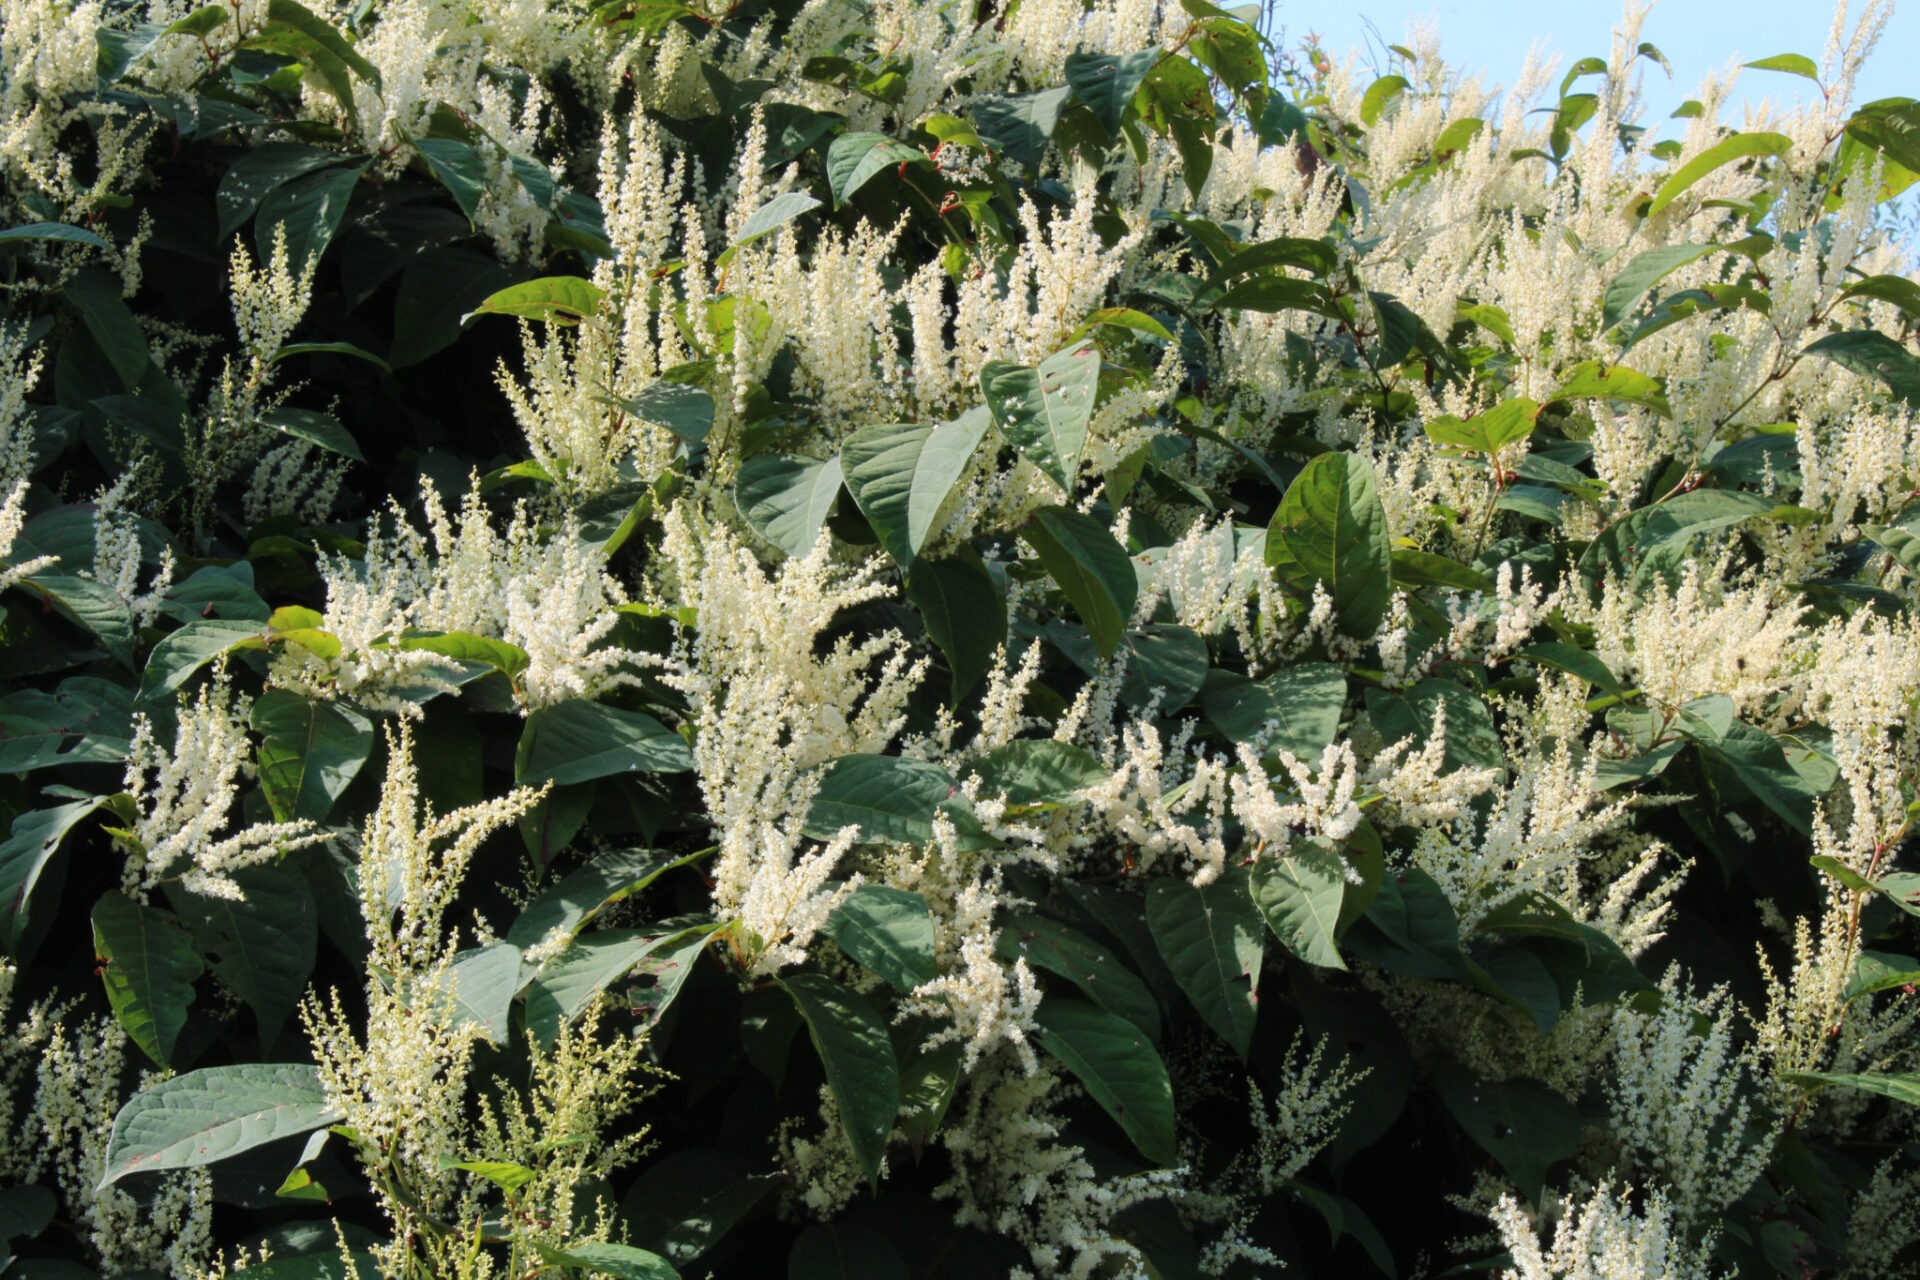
869, 638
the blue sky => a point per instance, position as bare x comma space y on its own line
1696, 35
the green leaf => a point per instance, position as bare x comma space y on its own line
786, 498
1106, 82
1060, 949
1299, 891
889, 931
773, 215
208, 1115
57, 232
481, 984
963, 613
323, 33
1413, 568
854, 158
1525, 1125
94, 293
262, 945
892, 799
311, 208
577, 898
1898, 290
437, 290
620, 1260
902, 475
840, 1251
319, 429
255, 174
1090, 568
574, 979
852, 1042
310, 752
550, 299
1032, 771
683, 1203
175, 659
149, 967
92, 605
1873, 355
1212, 940
1506, 422
578, 741
686, 411
510, 660
1760, 763
1021, 124
507, 1176
1378, 95
1739, 147
31, 842
1414, 930
457, 165
331, 349
1472, 740
1331, 528
1794, 64
1119, 1068
1642, 273
1296, 709
1904, 1088
1574, 661
1593, 380
1044, 411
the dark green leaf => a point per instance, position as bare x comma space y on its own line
311, 208
262, 945
854, 1048
1119, 1068
457, 165
1873, 355
1647, 269
1106, 82
149, 967
94, 293
786, 499
889, 931
901, 475
854, 158
578, 741
1299, 891
1525, 1125
203, 1116
1090, 568
1044, 411
1034, 771
1212, 940
963, 613
839, 1251
1059, 949
1330, 528
1296, 709
891, 799
30, 845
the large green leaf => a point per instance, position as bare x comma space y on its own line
1903, 1088
963, 612
1033, 771
148, 966
262, 944
1121, 1071
310, 752
574, 979
320, 429
854, 158
572, 902
786, 498
1471, 738
1642, 273
1525, 1125
30, 845
175, 659
550, 299
1296, 709
255, 173
1872, 354
1330, 528
891, 799
579, 740
1740, 146
481, 984
1212, 940
888, 930
208, 1115
901, 475
1061, 949
311, 207
1043, 412
1090, 568
683, 1203
94, 292
458, 167
851, 1039
1299, 891
1021, 124
623, 1261
686, 411
1106, 82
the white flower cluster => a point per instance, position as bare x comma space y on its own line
1603, 1237
181, 799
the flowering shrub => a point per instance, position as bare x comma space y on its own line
867, 638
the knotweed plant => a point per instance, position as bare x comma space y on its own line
1054, 638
